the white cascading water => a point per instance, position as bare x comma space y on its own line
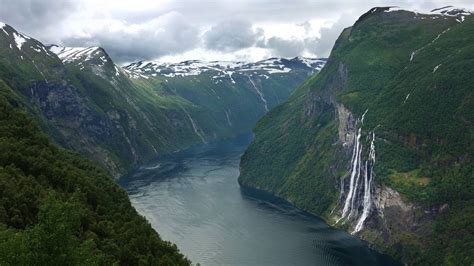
195, 128
355, 164
259, 93
369, 177
354, 197
359, 169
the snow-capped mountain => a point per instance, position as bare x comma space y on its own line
21, 43
72, 54
93, 57
91, 102
224, 69
442, 12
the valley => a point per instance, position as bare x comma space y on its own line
193, 199
267, 150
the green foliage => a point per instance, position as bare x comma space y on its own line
59, 209
122, 120
52, 240
293, 167
421, 110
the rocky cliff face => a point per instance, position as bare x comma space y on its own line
122, 117
371, 146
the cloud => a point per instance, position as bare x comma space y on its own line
323, 44
167, 34
132, 30
35, 15
231, 35
306, 26
285, 47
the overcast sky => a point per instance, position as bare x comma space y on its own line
176, 30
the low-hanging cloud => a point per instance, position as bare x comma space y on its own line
328, 35
146, 30
35, 15
319, 46
285, 47
229, 36
167, 34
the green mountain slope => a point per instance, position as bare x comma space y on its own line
403, 79
122, 118
227, 98
59, 209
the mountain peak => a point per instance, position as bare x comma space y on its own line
223, 68
71, 54
450, 11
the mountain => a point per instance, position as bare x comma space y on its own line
380, 142
227, 98
123, 117
57, 208
225, 69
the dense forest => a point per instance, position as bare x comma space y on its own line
57, 208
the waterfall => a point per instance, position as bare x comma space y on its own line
259, 93
363, 116
195, 128
355, 163
360, 183
355, 195
44, 77
227, 116
369, 177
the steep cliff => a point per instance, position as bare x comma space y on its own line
380, 141
122, 117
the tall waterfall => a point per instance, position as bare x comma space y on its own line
368, 178
360, 183
259, 93
354, 171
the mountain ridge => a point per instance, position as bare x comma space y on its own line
372, 143
123, 118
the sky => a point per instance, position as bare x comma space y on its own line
178, 30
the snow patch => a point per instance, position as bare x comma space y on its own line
223, 69
443, 12
2, 26
19, 39
71, 54
117, 71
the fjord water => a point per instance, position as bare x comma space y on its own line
192, 198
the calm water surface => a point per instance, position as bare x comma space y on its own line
192, 198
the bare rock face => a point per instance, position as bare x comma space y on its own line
79, 126
346, 128
393, 215
388, 201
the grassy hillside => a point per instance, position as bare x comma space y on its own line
59, 209
411, 73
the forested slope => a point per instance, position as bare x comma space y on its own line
380, 142
57, 208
